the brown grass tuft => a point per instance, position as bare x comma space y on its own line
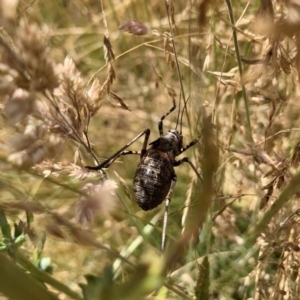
98, 198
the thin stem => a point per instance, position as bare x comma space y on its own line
174, 48
288, 192
176, 58
74, 132
44, 276
237, 52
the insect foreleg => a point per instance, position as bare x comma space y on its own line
186, 159
192, 143
168, 200
111, 159
160, 123
131, 152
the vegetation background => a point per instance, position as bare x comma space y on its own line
80, 79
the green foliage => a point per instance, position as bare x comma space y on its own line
5, 228
142, 282
8, 241
16, 284
202, 285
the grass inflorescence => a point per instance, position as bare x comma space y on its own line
80, 79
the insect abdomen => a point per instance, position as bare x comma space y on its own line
152, 179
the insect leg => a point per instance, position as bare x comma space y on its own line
111, 159
130, 152
168, 200
186, 159
192, 143
160, 123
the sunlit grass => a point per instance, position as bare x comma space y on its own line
235, 236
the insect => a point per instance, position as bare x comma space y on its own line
155, 177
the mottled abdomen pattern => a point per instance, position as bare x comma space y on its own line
152, 179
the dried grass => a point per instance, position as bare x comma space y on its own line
57, 117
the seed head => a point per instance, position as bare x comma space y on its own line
135, 28
99, 197
19, 105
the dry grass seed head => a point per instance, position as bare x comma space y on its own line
28, 157
71, 88
35, 152
109, 53
135, 28
95, 96
31, 47
8, 9
169, 51
54, 146
19, 105
61, 125
34, 131
7, 85
47, 168
76, 103
292, 17
264, 21
295, 160
99, 198
225, 227
203, 6
111, 73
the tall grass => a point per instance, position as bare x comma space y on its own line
79, 80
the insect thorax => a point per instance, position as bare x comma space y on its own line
170, 143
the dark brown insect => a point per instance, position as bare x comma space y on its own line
155, 177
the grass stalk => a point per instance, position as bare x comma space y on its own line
239, 62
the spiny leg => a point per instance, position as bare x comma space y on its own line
192, 143
111, 159
131, 152
168, 200
186, 159
160, 123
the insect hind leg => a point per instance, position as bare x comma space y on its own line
186, 159
168, 200
192, 143
111, 159
160, 123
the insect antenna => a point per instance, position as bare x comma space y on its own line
178, 113
184, 107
